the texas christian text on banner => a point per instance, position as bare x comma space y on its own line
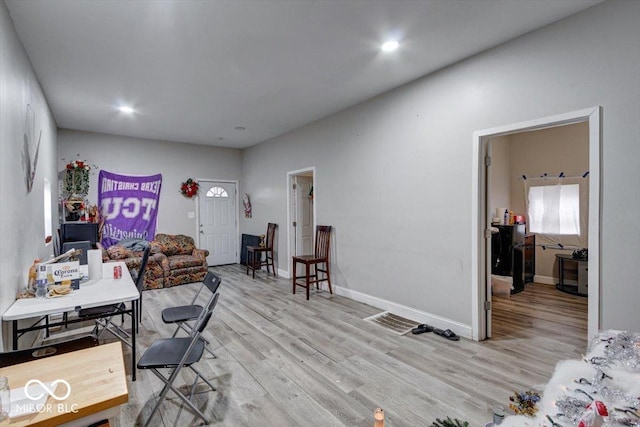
129, 205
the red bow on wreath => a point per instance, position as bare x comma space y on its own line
189, 188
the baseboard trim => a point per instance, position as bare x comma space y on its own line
547, 280
404, 311
395, 308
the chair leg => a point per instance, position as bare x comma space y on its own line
273, 264
328, 273
182, 326
295, 264
135, 323
203, 378
308, 267
169, 386
207, 349
163, 393
253, 266
249, 254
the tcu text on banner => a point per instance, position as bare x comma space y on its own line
129, 206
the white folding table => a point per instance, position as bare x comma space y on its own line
93, 293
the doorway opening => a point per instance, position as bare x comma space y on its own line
217, 220
484, 212
301, 212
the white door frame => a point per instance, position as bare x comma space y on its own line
237, 211
290, 233
480, 212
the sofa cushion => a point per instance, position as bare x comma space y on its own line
177, 244
156, 247
183, 261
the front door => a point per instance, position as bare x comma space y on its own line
217, 210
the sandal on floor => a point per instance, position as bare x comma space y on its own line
421, 329
447, 333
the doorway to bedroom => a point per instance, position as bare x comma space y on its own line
519, 138
536, 177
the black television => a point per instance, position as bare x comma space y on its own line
79, 231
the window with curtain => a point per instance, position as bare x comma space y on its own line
554, 209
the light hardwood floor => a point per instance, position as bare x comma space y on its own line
285, 361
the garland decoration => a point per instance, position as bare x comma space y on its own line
448, 422
525, 403
76, 178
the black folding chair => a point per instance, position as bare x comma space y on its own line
139, 278
102, 313
175, 354
182, 315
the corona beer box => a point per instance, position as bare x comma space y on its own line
66, 271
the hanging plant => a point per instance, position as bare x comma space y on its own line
189, 188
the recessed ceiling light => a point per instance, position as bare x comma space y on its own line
126, 109
390, 46
239, 128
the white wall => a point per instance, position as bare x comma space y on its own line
394, 173
21, 213
500, 193
175, 161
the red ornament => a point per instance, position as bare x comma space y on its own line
593, 415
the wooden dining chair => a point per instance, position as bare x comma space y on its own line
319, 261
254, 253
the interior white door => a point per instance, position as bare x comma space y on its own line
304, 215
487, 240
218, 222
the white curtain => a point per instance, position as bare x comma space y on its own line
558, 210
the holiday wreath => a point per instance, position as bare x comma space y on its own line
189, 188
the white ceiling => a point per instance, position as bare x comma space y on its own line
195, 70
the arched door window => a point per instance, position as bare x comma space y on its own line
217, 192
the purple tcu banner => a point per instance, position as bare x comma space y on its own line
129, 205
